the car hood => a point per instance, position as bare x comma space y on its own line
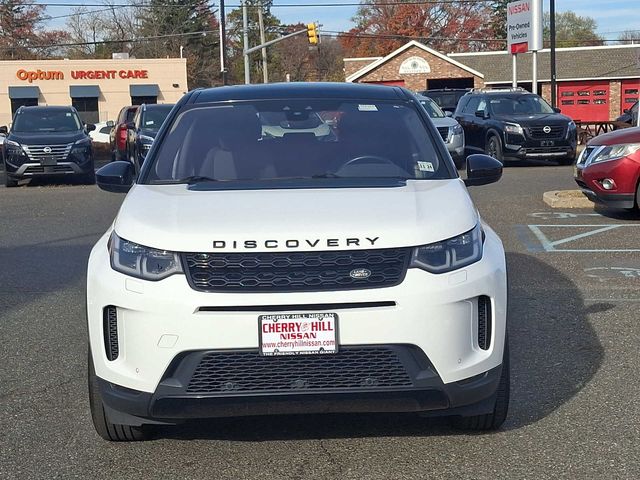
54, 138
530, 120
172, 217
444, 122
624, 135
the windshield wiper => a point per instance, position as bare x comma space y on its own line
326, 175
192, 179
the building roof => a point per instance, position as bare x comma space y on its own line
372, 66
579, 63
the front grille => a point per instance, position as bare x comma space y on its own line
31, 169
484, 322
299, 271
59, 153
444, 133
352, 368
557, 131
110, 326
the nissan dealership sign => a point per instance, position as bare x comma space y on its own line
524, 26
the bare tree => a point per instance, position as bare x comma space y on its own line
629, 37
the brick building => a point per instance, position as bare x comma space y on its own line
594, 83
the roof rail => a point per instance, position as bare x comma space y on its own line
503, 90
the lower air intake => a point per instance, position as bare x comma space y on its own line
110, 325
484, 322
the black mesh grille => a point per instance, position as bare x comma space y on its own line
351, 368
299, 271
556, 131
110, 324
484, 322
444, 132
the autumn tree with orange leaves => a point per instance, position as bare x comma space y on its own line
444, 26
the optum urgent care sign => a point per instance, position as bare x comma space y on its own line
524, 26
38, 75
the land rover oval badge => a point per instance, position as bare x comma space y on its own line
359, 273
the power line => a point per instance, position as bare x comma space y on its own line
289, 5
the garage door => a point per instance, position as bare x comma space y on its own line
586, 101
629, 93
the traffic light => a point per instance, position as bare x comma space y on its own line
312, 33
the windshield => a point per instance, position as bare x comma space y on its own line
432, 108
238, 141
520, 105
45, 120
153, 117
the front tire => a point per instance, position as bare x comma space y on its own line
495, 419
107, 430
494, 148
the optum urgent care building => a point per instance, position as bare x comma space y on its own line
98, 89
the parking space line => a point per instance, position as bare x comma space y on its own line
549, 245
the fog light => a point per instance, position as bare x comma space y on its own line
608, 184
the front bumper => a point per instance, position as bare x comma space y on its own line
520, 148
22, 167
624, 172
163, 331
455, 145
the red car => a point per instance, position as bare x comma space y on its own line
608, 170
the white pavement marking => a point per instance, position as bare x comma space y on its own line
550, 246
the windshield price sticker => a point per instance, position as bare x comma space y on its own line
298, 334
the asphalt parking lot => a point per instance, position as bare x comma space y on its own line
574, 333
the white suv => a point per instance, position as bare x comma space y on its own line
250, 274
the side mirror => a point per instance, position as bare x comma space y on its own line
90, 127
626, 110
447, 113
482, 170
557, 110
115, 177
4, 130
110, 123
481, 114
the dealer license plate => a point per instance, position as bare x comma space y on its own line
298, 333
547, 143
48, 162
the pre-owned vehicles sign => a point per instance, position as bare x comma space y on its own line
519, 32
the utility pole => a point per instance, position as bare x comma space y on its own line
552, 32
223, 44
245, 35
263, 40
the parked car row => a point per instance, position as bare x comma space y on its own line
53, 141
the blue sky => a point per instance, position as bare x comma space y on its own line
612, 16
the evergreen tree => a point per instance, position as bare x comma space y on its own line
190, 24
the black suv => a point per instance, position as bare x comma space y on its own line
47, 141
514, 124
446, 98
630, 115
142, 130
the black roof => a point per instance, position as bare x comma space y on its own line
299, 90
54, 108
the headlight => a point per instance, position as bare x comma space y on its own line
614, 152
13, 148
142, 262
513, 128
457, 130
448, 255
82, 144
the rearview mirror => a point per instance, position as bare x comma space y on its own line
482, 170
115, 177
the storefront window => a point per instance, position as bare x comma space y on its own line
141, 100
87, 109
